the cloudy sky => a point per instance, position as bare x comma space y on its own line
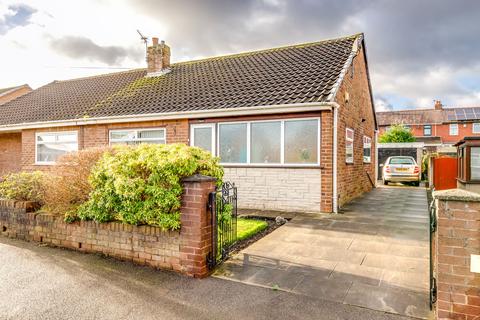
418, 50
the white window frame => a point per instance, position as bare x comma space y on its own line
37, 134
212, 127
136, 130
450, 129
473, 127
282, 144
431, 130
347, 139
367, 143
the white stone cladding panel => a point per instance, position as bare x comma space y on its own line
283, 189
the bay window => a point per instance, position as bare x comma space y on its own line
265, 142
51, 145
136, 136
349, 139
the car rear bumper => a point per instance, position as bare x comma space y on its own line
402, 178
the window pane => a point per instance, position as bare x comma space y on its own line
45, 137
475, 163
149, 134
476, 127
233, 142
49, 152
66, 137
265, 142
203, 138
122, 135
301, 141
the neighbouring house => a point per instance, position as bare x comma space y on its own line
438, 128
294, 126
8, 94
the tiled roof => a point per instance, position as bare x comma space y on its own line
411, 117
286, 75
5, 90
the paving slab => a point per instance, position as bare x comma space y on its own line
373, 255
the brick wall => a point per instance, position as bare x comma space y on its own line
456, 239
277, 188
184, 251
14, 94
352, 178
10, 152
98, 135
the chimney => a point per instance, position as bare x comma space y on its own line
158, 58
438, 105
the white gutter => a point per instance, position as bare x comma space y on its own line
335, 158
197, 114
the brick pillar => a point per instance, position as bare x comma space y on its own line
196, 233
326, 160
456, 240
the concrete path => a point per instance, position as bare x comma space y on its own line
374, 255
47, 283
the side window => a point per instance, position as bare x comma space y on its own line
203, 136
349, 138
367, 149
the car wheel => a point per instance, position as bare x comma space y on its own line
385, 182
416, 184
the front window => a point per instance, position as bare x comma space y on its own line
349, 138
276, 142
367, 149
475, 163
427, 130
51, 145
476, 127
203, 136
454, 129
136, 136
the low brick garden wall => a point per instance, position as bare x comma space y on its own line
456, 240
184, 251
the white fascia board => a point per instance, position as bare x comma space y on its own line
214, 113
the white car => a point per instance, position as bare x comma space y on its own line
401, 169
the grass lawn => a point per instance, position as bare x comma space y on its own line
247, 228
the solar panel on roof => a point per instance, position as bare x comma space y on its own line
451, 117
469, 114
477, 112
460, 114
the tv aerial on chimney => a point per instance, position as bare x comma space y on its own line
145, 40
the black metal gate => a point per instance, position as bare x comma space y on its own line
223, 212
432, 230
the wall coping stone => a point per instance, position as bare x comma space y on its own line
198, 178
456, 195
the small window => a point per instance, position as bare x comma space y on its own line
476, 127
51, 145
453, 129
367, 149
301, 141
203, 136
427, 130
349, 138
136, 136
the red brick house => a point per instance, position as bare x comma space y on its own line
439, 126
294, 126
8, 94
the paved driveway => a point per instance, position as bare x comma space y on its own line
375, 255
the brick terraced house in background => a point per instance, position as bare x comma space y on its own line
439, 127
294, 126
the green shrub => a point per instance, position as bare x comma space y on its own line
142, 184
23, 186
397, 133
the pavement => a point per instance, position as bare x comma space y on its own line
39, 282
375, 254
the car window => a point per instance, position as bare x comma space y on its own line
401, 161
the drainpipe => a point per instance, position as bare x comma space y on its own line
376, 157
335, 157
